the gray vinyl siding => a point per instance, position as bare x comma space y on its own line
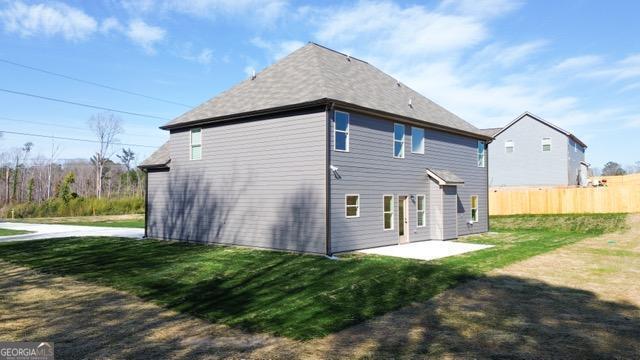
156, 200
259, 183
528, 165
574, 159
450, 206
369, 169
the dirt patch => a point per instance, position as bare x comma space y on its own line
581, 301
88, 321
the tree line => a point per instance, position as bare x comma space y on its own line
109, 172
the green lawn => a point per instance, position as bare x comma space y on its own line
9, 232
298, 296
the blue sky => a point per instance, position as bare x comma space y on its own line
574, 63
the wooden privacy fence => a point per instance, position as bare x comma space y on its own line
623, 198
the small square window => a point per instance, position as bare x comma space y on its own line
508, 146
352, 206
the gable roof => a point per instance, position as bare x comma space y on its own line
159, 158
317, 75
535, 117
444, 177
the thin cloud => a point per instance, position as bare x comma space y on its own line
277, 50
578, 63
145, 35
48, 19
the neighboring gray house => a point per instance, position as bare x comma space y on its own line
320, 153
530, 151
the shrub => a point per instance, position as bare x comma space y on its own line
76, 206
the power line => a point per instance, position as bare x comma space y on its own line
62, 126
81, 104
73, 139
91, 83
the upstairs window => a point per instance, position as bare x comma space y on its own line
398, 141
352, 206
481, 154
575, 146
420, 210
508, 146
341, 131
387, 211
417, 140
546, 144
474, 208
196, 144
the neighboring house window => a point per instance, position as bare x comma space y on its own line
398, 141
420, 210
474, 208
546, 144
387, 209
481, 155
508, 146
417, 140
341, 131
352, 205
196, 144
575, 147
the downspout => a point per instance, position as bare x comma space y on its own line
327, 186
146, 202
486, 149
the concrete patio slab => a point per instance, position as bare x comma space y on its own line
426, 250
48, 231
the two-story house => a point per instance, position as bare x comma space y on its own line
530, 151
322, 153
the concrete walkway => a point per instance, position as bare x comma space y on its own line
426, 250
47, 231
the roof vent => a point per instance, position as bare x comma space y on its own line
253, 74
398, 82
348, 57
410, 102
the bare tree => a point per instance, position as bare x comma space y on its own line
55, 150
106, 126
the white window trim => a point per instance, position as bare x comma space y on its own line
542, 144
191, 144
393, 149
477, 208
484, 153
392, 212
506, 146
357, 206
424, 210
335, 130
423, 141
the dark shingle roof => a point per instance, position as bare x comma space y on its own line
159, 158
490, 132
445, 177
315, 74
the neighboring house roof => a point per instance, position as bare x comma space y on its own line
535, 117
490, 131
444, 177
314, 75
160, 158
